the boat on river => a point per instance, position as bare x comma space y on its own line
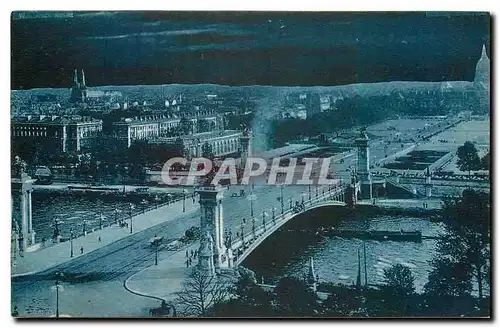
402, 235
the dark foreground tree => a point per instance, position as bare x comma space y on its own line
449, 279
467, 237
295, 298
400, 279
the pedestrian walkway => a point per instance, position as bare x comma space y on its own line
165, 279
45, 258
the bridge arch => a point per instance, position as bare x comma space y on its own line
243, 250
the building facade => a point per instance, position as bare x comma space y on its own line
56, 133
153, 127
222, 143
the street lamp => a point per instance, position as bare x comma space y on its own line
242, 233
84, 227
253, 227
281, 199
251, 198
130, 208
100, 221
184, 192
57, 285
71, 240
144, 203
157, 201
309, 189
157, 243
116, 215
264, 219
56, 228
290, 202
274, 216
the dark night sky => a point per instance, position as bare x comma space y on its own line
245, 48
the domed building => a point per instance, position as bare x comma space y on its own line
482, 81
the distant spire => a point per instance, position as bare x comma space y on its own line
83, 78
75, 77
483, 53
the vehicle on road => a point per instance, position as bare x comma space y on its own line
43, 175
156, 241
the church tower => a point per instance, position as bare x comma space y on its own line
83, 80
78, 90
75, 79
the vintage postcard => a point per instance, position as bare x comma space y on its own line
250, 164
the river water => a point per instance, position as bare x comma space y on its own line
287, 252
71, 209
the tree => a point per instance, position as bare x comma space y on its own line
179, 149
185, 126
201, 292
448, 279
467, 237
295, 298
251, 300
202, 125
485, 161
468, 159
343, 302
400, 279
18, 167
206, 151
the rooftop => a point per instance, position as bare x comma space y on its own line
53, 119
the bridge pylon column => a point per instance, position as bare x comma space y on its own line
245, 147
212, 222
206, 255
27, 235
363, 166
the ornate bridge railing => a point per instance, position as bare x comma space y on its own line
246, 243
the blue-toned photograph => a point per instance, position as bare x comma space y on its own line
232, 164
